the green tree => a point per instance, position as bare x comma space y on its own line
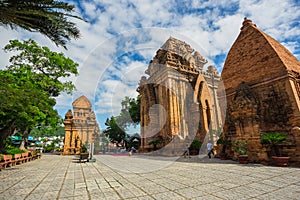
28, 85
49, 17
115, 133
42, 66
130, 112
23, 105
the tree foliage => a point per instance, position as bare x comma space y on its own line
49, 17
114, 131
42, 131
28, 87
130, 113
273, 140
42, 66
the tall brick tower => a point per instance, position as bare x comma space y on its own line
262, 84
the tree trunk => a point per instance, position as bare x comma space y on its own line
24, 139
4, 133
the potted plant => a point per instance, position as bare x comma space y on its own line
240, 147
222, 145
273, 140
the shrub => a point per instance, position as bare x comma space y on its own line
83, 149
273, 140
14, 150
195, 145
240, 147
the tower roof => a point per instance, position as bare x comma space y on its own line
69, 114
177, 46
185, 51
82, 102
256, 57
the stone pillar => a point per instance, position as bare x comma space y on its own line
73, 138
68, 132
67, 141
171, 110
176, 107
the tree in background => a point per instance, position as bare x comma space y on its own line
28, 87
114, 132
130, 112
48, 17
129, 115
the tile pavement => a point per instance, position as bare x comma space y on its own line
143, 177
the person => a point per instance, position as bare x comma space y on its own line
132, 150
210, 149
123, 150
187, 151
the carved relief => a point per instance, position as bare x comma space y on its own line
276, 109
245, 108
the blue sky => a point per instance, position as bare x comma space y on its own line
122, 36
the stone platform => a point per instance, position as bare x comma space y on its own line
144, 177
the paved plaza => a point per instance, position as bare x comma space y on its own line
142, 177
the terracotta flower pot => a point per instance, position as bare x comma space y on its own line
281, 161
243, 159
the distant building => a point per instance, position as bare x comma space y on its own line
80, 127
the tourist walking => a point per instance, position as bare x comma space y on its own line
210, 149
132, 150
187, 151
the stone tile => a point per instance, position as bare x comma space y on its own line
111, 195
190, 192
50, 195
231, 194
137, 192
209, 188
152, 189
97, 196
67, 198
15, 197
173, 185
262, 187
114, 184
248, 191
145, 198
223, 185
207, 197
126, 194
66, 193
34, 196
168, 195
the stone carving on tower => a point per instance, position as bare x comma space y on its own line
80, 127
179, 98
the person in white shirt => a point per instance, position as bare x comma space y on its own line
210, 149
